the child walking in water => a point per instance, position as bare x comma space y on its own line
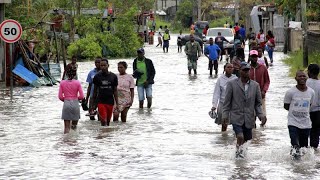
70, 92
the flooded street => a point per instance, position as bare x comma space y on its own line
175, 139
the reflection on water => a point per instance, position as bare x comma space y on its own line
175, 138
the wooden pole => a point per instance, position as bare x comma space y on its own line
236, 11
2, 48
305, 32
199, 10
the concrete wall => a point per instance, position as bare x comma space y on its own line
313, 41
164, 4
295, 40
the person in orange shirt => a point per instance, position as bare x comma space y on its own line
192, 28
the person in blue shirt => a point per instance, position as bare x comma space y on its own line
213, 52
92, 103
242, 31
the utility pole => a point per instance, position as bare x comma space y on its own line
304, 32
199, 10
236, 11
176, 6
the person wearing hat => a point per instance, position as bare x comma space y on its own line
241, 105
144, 72
259, 73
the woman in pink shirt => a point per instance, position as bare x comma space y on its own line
125, 92
70, 92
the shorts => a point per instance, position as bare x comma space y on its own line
192, 65
105, 112
192, 62
144, 90
247, 133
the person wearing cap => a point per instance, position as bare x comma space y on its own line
213, 52
298, 101
241, 105
193, 52
314, 83
89, 97
70, 92
259, 73
105, 92
220, 92
144, 72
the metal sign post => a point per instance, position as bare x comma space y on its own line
10, 32
11, 74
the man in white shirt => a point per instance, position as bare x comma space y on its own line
297, 101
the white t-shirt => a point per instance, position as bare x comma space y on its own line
299, 109
315, 85
160, 33
261, 61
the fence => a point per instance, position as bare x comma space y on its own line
313, 41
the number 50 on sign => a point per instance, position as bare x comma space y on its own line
10, 31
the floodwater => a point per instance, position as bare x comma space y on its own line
176, 139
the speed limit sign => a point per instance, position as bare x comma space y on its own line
10, 31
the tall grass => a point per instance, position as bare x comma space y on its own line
295, 61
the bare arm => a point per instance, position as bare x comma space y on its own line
88, 92
95, 94
132, 95
115, 95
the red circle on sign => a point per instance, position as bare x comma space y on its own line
16, 38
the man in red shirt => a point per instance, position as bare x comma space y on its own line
259, 73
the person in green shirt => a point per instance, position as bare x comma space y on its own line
144, 72
193, 52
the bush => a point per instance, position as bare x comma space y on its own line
86, 47
295, 61
220, 22
120, 41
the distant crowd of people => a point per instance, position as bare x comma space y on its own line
238, 98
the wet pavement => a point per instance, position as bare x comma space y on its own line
176, 139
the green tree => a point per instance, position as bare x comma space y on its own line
184, 14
